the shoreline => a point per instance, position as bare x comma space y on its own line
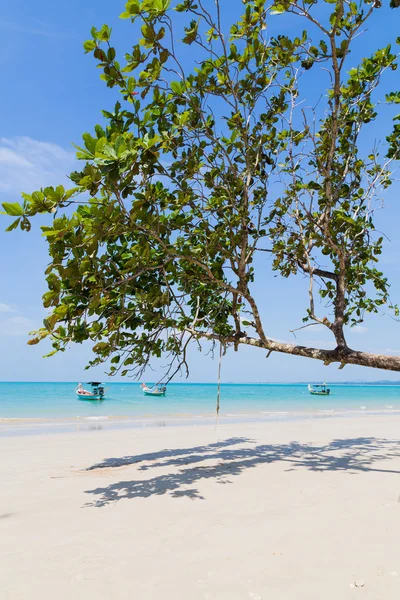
21, 426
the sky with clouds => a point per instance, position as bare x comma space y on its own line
51, 93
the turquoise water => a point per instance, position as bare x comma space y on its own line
58, 400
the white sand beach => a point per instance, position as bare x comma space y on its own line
299, 510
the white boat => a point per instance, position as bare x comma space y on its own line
153, 391
97, 393
319, 389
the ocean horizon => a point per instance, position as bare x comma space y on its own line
296, 382
57, 400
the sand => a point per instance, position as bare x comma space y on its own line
299, 510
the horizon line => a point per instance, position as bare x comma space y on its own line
303, 382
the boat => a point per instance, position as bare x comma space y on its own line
157, 391
97, 391
319, 389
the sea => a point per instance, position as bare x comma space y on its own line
55, 406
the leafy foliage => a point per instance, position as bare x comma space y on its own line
177, 192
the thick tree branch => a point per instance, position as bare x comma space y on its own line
338, 355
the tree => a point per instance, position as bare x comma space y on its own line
203, 167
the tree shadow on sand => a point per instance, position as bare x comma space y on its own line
231, 457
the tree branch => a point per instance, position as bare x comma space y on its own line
339, 355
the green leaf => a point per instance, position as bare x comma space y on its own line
177, 87
101, 347
89, 46
393, 98
90, 142
278, 8
13, 225
104, 33
191, 32
111, 54
13, 209
50, 232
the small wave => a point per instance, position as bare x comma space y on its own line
237, 414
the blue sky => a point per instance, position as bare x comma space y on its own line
51, 93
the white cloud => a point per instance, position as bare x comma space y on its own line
27, 165
279, 341
42, 29
312, 328
5, 308
9, 157
322, 343
16, 326
358, 329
